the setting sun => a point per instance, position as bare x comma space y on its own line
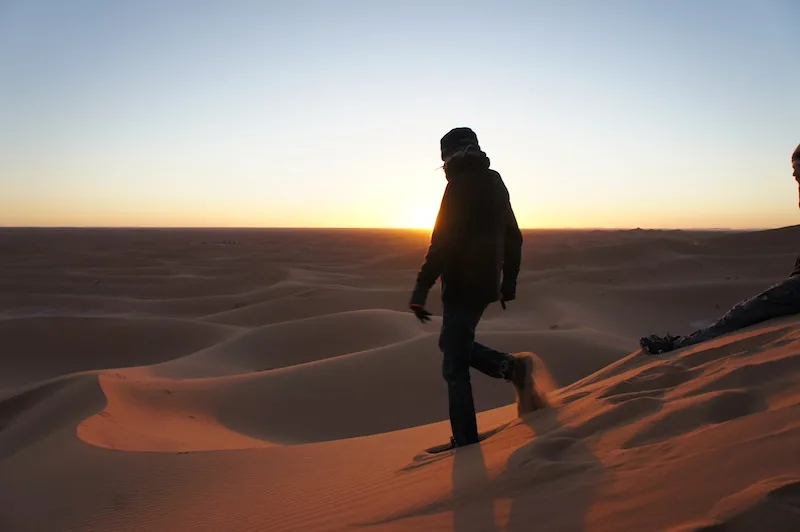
418, 217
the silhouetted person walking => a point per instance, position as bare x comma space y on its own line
781, 299
476, 249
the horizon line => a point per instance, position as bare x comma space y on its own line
358, 228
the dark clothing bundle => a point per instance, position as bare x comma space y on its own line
781, 299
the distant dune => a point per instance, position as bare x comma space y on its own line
251, 380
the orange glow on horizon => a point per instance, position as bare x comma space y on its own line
419, 217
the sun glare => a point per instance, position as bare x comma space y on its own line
418, 218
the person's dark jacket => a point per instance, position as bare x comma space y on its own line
476, 244
796, 268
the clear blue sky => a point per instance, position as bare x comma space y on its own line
602, 114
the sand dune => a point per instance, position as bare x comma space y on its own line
33, 414
321, 400
159, 415
40, 348
309, 303
272, 380
298, 341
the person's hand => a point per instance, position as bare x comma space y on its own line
505, 297
420, 312
417, 305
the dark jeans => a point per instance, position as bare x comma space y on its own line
782, 299
460, 351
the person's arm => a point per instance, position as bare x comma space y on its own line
513, 256
443, 240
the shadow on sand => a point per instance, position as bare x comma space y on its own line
551, 482
469, 470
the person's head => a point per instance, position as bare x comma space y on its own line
457, 141
462, 153
796, 170
796, 163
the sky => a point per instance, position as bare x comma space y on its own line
613, 114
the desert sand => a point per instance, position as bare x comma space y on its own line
272, 380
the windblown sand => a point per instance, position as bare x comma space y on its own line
272, 380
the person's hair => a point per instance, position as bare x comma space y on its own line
796, 154
469, 149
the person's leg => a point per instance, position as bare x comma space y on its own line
455, 341
490, 362
781, 299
